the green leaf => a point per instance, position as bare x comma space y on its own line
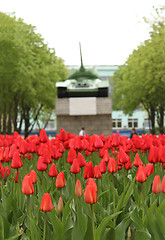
120, 231
128, 194
56, 224
101, 228
1, 229
137, 220
89, 232
142, 235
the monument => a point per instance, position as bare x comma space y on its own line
83, 101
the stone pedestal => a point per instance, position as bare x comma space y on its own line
95, 114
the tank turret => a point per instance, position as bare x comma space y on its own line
82, 83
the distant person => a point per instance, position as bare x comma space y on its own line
118, 133
133, 132
82, 132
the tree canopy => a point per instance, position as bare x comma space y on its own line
29, 70
141, 80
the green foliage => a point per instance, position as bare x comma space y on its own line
29, 70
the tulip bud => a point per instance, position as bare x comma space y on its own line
78, 189
60, 205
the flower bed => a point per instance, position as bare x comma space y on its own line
73, 187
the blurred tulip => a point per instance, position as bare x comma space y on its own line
112, 166
71, 155
33, 176
53, 170
81, 160
97, 172
141, 174
40, 165
78, 189
75, 166
88, 171
156, 186
102, 166
149, 169
16, 161
90, 194
62, 135
60, 205
27, 185
60, 180
163, 185
137, 161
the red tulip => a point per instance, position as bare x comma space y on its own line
71, 155
16, 161
81, 160
27, 185
137, 161
60, 205
40, 165
97, 172
153, 154
62, 135
123, 157
53, 171
75, 166
141, 174
112, 166
156, 186
90, 194
163, 185
43, 136
33, 176
46, 204
91, 181
78, 189
98, 143
149, 169
102, 166
60, 180
88, 171
106, 156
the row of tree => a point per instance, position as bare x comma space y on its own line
29, 70
141, 80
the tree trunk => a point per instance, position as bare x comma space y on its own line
161, 122
27, 123
15, 113
4, 119
9, 124
152, 120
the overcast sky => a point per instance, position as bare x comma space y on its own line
109, 30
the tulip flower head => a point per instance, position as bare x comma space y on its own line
46, 204
90, 194
156, 186
27, 185
16, 161
60, 180
141, 174
78, 189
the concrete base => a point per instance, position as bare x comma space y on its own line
93, 114
96, 124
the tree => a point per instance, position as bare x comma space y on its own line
28, 73
141, 80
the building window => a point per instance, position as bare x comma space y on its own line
147, 123
132, 123
116, 123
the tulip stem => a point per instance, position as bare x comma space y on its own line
113, 185
44, 226
93, 227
